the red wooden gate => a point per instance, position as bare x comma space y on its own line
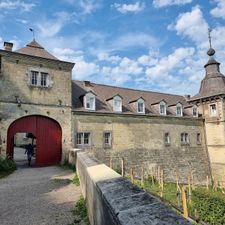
49, 138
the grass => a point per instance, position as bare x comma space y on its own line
6, 167
80, 213
203, 201
67, 166
76, 180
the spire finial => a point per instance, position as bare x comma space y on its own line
210, 37
211, 51
32, 30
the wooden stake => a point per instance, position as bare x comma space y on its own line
189, 188
161, 184
177, 180
152, 176
158, 175
192, 180
122, 167
142, 177
132, 175
184, 202
207, 182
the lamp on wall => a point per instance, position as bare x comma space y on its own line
18, 100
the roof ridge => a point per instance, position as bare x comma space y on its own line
132, 89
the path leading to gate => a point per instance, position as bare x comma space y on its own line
38, 196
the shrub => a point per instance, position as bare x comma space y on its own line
6, 166
210, 206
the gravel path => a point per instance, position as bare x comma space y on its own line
38, 196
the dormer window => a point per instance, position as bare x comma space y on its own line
213, 110
194, 111
117, 104
89, 101
179, 110
162, 108
140, 105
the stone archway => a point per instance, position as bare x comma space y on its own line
49, 138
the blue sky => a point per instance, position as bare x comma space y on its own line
157, 45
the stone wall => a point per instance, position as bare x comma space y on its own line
215, 136
14, 80
140, 141
113, 200
53, 101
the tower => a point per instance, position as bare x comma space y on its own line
211, 104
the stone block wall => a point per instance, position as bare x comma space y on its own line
140, 141
113, 200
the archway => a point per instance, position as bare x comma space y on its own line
48, 135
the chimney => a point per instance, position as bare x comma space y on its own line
187, 97
87, 83
8, 46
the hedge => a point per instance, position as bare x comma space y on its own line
210, 206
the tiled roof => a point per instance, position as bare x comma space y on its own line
35, 49
105, 92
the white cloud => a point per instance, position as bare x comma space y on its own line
84, 70
21, 5
219, 10
51, 27
192, 25
104, 56
163, 3
134, 40
85, 6
173, 61
129, 8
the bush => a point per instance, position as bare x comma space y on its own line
6, 166
210, 206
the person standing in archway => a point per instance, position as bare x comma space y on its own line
30, 152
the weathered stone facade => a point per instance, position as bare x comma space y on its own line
140, 141
18, 98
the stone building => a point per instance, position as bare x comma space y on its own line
148, 129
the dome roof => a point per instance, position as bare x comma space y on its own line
214, 81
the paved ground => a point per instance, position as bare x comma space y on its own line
37, 196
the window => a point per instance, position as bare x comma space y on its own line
39, 79
162, 108
213, 111
195, 111
179, 111
79, 138
34, 78
199, 138
86, 138
184, 138
140, 106
89, 101
107, 136
44, 79
167, 139
83, 139
117, 104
